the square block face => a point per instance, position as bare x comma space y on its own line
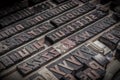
100, 48
90, 74
80, 75
6, 61
83, 57
88, 50
116, 31
102, 60
46, 74
109, 40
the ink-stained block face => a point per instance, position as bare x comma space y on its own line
64, 46
6, 61
80, 37
83, 57
87, 50
102, 60
81, 75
